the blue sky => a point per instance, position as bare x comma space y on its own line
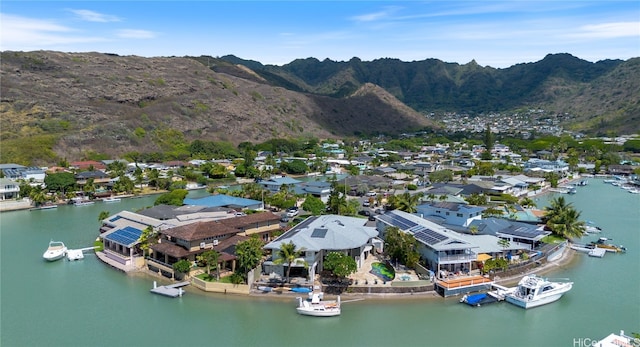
498, 34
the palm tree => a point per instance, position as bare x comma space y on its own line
563, 219
210, 258
288, 254
527, 202
407, 202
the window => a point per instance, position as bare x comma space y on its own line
458, 214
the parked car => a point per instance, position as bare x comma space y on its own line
284, 218
366, 204
372, 217
372, 193
292, 211
364, 213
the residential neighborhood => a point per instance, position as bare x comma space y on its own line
461, 212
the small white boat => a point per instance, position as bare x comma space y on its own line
317, 307
56, 250
533, 291
111, 199
79, 202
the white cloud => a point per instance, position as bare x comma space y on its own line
135, 34
91, 16
609, 30
375, 16
19, 33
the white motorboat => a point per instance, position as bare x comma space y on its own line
111, 199
317, 307
533, 291
56, 250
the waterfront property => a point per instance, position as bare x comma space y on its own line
318, 235
188, 241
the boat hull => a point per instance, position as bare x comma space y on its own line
534, 303
317, 312
53, 255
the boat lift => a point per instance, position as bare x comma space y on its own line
77, 254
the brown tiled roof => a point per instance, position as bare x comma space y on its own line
171, 249
250, 220
200, 230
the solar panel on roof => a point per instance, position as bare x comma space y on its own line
319, 233
429, 236
126, 236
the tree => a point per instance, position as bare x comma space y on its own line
175, 198
401, 246
563, 219
477, 199
313, 205
60, 182
407, 202
473, 229
441, 176
103, 215
38, 196
504, 243
145, 239
249, 254
288, 253
527, 202
340, 264
182, 266
210, 258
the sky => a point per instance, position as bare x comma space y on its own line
493, 33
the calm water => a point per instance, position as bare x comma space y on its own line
86, 303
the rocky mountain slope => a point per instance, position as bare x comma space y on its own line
71, 104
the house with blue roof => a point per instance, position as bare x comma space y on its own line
275, 183
319, 189
222, 200
318, 235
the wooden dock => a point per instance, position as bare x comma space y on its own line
172, 290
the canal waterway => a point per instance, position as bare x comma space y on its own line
86, 303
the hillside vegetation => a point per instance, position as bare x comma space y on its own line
602, 96
72, 106
69, 105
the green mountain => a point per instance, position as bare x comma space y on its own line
608, 91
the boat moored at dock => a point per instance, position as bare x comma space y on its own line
56, 250
316, 306
533, 291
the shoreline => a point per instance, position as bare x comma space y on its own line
567, 259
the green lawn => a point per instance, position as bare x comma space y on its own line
553, 239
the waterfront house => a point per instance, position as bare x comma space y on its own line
190, 240
318, 235
439, 247
520, 235
9, 189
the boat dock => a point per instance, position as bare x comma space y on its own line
172, 290
597, 252
461, 285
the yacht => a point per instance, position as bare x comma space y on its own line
56, 250
534, 291
318, 307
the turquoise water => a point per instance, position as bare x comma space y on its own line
86, 303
